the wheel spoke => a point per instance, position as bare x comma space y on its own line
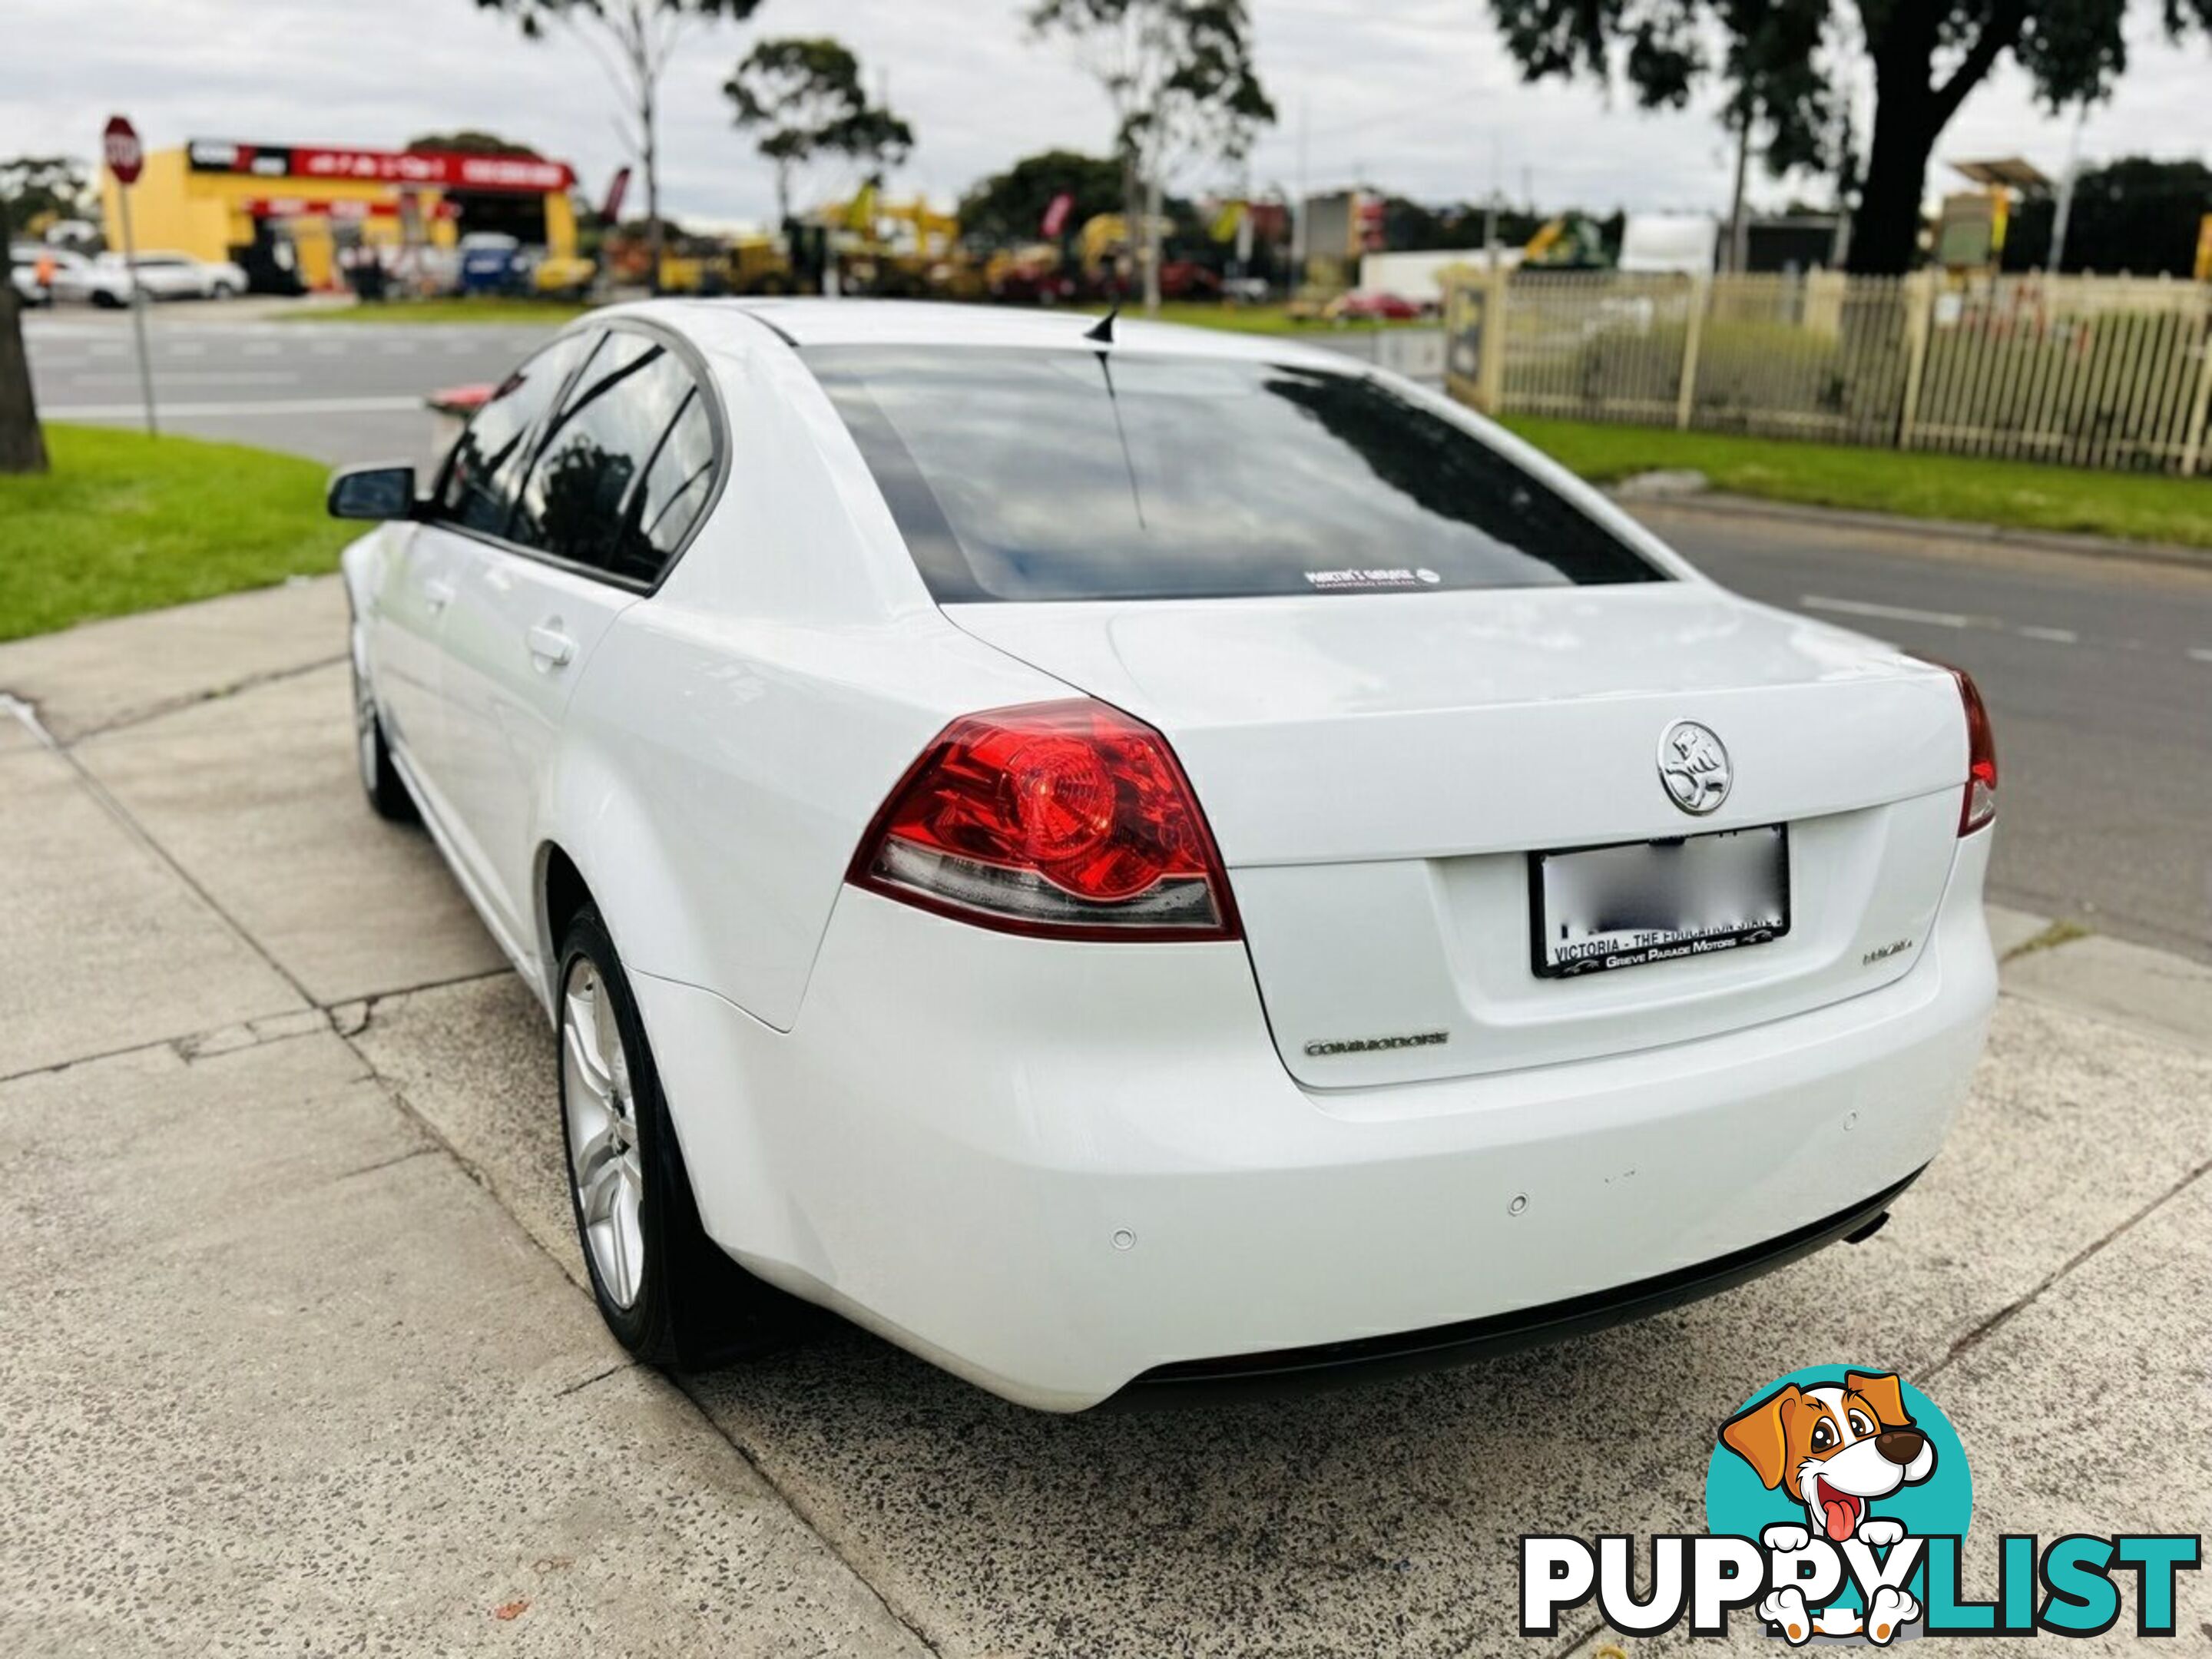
596, 1150
606, 1041
586, 1069
629, 1238
599, 1190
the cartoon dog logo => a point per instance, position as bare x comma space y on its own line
1836, 1449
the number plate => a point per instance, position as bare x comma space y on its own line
1595, 908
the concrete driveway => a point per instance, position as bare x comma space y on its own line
293, 1352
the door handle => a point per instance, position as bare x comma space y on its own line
551, 647
436, 595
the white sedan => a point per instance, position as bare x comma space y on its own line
107, 280
1131, 858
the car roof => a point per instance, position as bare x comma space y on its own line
816, 322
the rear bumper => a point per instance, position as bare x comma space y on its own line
1055, 1168
1264, 1375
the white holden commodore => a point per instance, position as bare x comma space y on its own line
1130, 860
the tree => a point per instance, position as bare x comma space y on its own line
807, 96
33, 188
2135, 215
1780, 61
469, 141
1180, 77
635, 42
23, 444
1010, 206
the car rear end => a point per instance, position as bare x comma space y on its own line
1424, 918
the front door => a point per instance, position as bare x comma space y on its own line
402, 635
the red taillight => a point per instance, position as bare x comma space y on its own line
1069, 819
1979, 804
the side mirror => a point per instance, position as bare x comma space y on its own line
372, 492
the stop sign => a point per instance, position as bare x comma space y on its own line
124, 155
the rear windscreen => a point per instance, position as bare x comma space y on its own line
1084, 475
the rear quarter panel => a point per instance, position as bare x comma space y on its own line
738, 730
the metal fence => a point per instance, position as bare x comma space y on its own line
2088, 371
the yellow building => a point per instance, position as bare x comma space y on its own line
278, 208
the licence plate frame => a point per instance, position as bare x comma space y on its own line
1707, 857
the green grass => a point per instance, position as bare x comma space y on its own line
2017, 495
125, 522
474, 308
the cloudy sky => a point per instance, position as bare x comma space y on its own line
1416, 95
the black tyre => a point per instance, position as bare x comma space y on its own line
380, 778
667, 1292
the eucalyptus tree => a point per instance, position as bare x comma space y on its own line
1181, 79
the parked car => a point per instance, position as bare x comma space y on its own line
1153, 860
26, 260
1369, 304
23, 276
492, 262
107, 280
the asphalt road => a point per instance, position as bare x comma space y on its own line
2098, 671
342, 393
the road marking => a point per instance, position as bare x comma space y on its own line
2056, 635
1890, 612
2200, 654
201, 377
275, 406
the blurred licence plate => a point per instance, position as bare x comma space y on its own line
1601, 908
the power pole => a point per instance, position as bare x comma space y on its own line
1739, 232
1490, 208
2055, 263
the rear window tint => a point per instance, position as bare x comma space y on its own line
1082, 475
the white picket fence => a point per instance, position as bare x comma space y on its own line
2087, 371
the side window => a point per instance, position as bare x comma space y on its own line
477, 490
580, 499
677, 484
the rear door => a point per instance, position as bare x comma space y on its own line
622, 470
471, 503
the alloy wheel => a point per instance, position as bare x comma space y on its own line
605, 1167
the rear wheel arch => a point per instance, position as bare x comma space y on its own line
562, 895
